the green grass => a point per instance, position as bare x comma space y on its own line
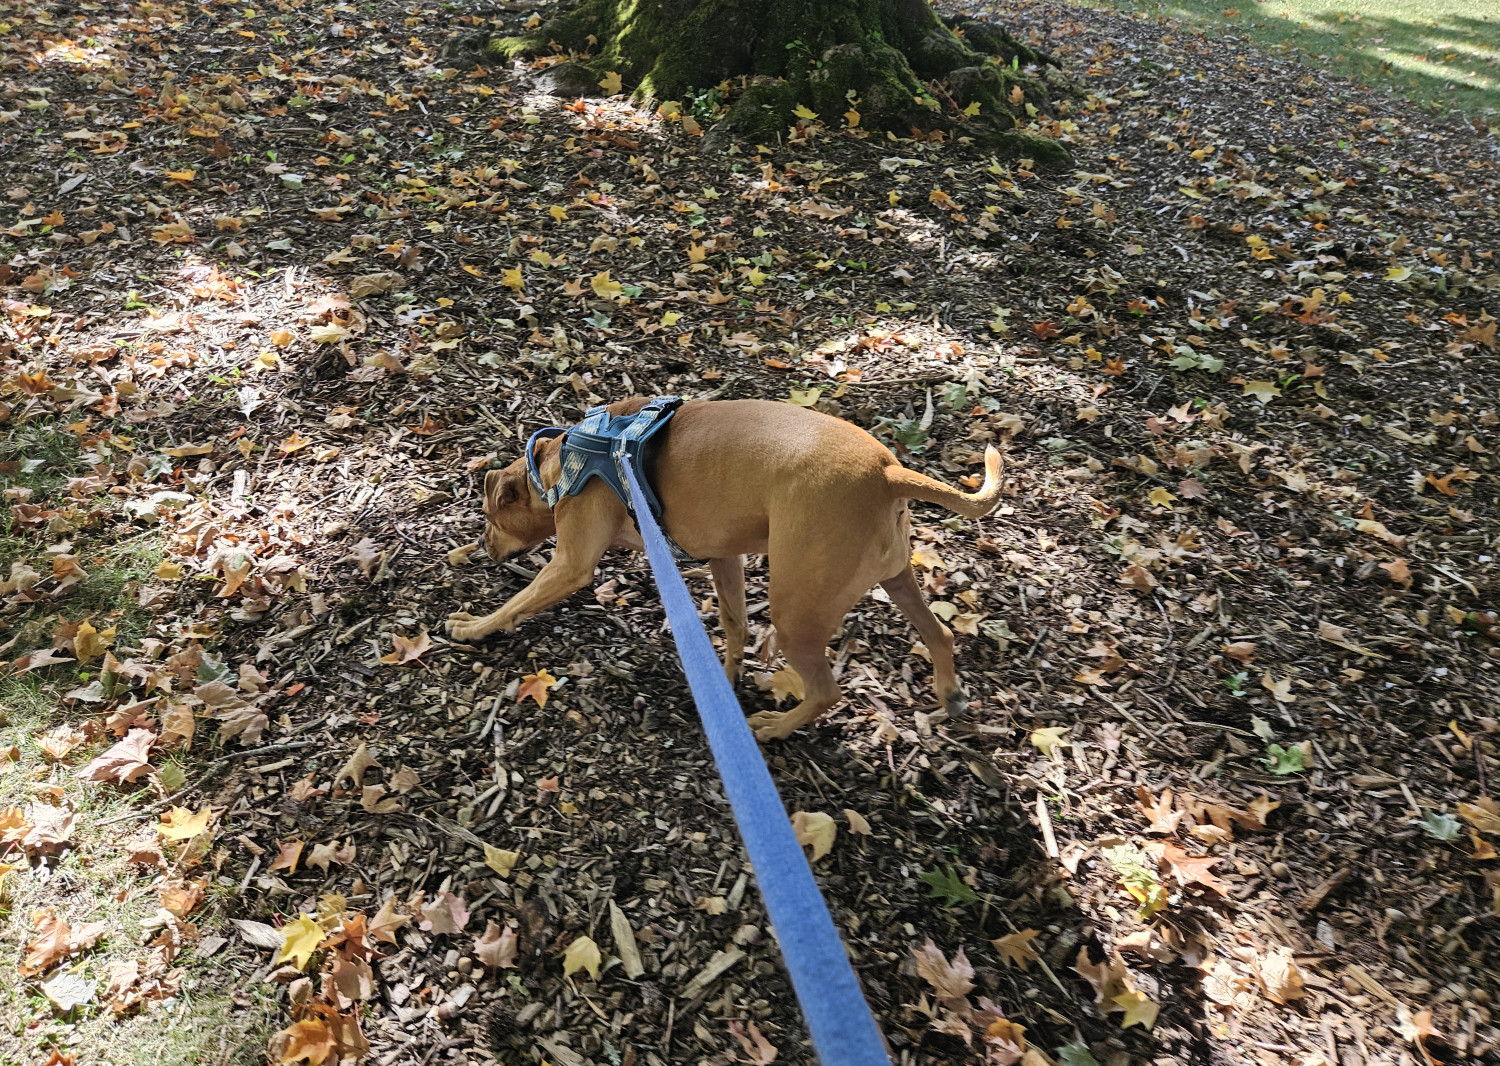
207, 1022
1444, 54
94, 882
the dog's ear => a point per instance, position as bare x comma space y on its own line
500, 488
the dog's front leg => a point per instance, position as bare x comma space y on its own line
580, 545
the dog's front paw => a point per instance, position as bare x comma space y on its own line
465, 627
770, 725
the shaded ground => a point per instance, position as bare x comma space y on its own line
310, 269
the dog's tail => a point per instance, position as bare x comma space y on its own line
914, 486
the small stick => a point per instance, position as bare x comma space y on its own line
1045, 819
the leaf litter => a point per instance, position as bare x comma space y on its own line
1250, 432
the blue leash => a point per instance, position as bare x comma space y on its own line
838, 1019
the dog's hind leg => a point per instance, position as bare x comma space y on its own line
729, 586
809, 598
906, 593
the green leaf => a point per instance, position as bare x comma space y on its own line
1281, 761
946, 885
1442, 827
1077, 1054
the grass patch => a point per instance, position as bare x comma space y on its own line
92, 881
211, 1018
1444, 54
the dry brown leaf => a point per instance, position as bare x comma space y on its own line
1016, 949
496, 949
952, 981
1279, 977
407, 650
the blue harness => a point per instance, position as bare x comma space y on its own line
596, 448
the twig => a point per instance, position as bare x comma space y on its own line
267, 750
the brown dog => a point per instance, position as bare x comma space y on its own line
821, 497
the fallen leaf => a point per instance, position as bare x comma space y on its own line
68, 990
182, 824
758, 1050
288, 857
1483, 814
500, 860
857, 822
309, 1040
354, 769
1050, 738
299, 939
496, 949
952, 981
407, 649
125, 761
1016, 949
1109, 977
816, 829
582, 954
1279, 977
447, 913
386, 922
1140, 1009
536, 686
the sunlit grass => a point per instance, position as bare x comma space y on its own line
1441, 53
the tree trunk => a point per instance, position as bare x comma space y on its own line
895, 64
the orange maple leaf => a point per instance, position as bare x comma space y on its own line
536, 686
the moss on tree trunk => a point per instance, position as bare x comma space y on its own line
896, 62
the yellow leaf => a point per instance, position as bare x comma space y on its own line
815, 829
670, 318
787, 682
558, 213
512, 279
1049, 739
805, 113
926, 558
972, 109
282, 338
611, 84
295, 443
804, 397
168, 570
89, 642
757, 276
697, 253
852, 117
1161, 497
536, 686
300, 939
1264, 391
857, 822
182, 824
1140, 1009
582, 954
470, 268
181, 175
605, 287
500, 860
1398, 273
331, 333
1484, 815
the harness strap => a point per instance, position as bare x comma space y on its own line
599, 447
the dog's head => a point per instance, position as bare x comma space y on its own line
516, 519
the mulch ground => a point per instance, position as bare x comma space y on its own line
1228, 641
